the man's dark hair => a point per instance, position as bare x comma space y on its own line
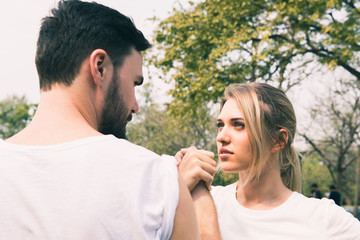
73, 31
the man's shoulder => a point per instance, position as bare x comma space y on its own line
116, 145
113, 147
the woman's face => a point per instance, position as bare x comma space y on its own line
232, 139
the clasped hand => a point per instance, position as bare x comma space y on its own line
195, 165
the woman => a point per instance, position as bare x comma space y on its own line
256, 129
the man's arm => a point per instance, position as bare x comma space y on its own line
197, 168
185, 224
206, 212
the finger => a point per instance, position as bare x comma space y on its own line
208, 168
179, 156
207, 178
205, 172
206, 158
208, 186
184, 150
189, 149
193, 150
207, 153
211, 161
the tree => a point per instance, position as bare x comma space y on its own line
15, 114
336, 124
163, 133
314, 171
218, 42
357, 184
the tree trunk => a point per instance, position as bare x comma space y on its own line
339, 182
347, 199
357, 183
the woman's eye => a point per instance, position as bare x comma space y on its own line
239, 124
219, 124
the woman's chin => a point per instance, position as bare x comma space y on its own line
226, 167
231, 167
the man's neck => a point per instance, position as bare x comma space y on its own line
59, 118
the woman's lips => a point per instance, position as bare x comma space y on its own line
224, 153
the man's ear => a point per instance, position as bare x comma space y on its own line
283, 137
98, 65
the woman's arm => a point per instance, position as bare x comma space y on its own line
205, 212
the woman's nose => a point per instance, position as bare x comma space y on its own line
223, 135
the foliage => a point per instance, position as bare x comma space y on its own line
165, 134
223, 178
336, 122
218, 42
314, 171
15, 114
162, 133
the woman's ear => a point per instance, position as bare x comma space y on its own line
283, 137
98, 60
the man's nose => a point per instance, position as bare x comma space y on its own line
135, 108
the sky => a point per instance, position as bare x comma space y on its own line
20, 23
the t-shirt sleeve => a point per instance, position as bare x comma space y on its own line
170, 192
342, 224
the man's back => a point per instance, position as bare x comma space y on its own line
93, 188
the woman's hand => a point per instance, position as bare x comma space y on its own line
195, 165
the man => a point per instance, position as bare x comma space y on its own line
68, 174
315, 192
335, 195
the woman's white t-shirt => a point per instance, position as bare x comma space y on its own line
299, 218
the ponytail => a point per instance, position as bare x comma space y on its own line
290, 169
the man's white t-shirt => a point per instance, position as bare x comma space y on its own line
93, 188
298, 218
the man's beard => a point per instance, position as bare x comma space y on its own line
115, 114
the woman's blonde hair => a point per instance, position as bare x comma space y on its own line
266, 110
